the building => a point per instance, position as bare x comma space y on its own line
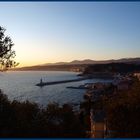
98, 124
137, 75
123, 85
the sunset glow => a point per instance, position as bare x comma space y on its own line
46, 32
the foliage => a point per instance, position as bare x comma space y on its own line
6, 52
26, 119
112, 67
123, 113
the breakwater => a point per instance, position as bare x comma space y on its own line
59, 82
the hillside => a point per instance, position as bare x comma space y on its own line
112, 68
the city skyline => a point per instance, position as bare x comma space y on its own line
49, 32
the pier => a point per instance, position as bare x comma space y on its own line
41, 84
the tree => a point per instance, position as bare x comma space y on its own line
27, 119
6, 52
123, 113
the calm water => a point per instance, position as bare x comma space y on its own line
21, 86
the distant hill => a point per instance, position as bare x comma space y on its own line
89, 61
78, 65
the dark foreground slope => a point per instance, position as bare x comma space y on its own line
123, 113
26, 119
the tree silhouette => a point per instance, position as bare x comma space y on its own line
29, 120
6, 52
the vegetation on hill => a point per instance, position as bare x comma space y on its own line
112, 67
122, 111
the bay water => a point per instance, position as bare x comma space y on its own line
20, 85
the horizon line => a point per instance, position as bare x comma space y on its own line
51, 63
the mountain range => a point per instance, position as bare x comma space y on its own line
89, 61
77, 64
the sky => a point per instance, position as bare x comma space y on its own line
48, 32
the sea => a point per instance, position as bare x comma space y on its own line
21, 86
